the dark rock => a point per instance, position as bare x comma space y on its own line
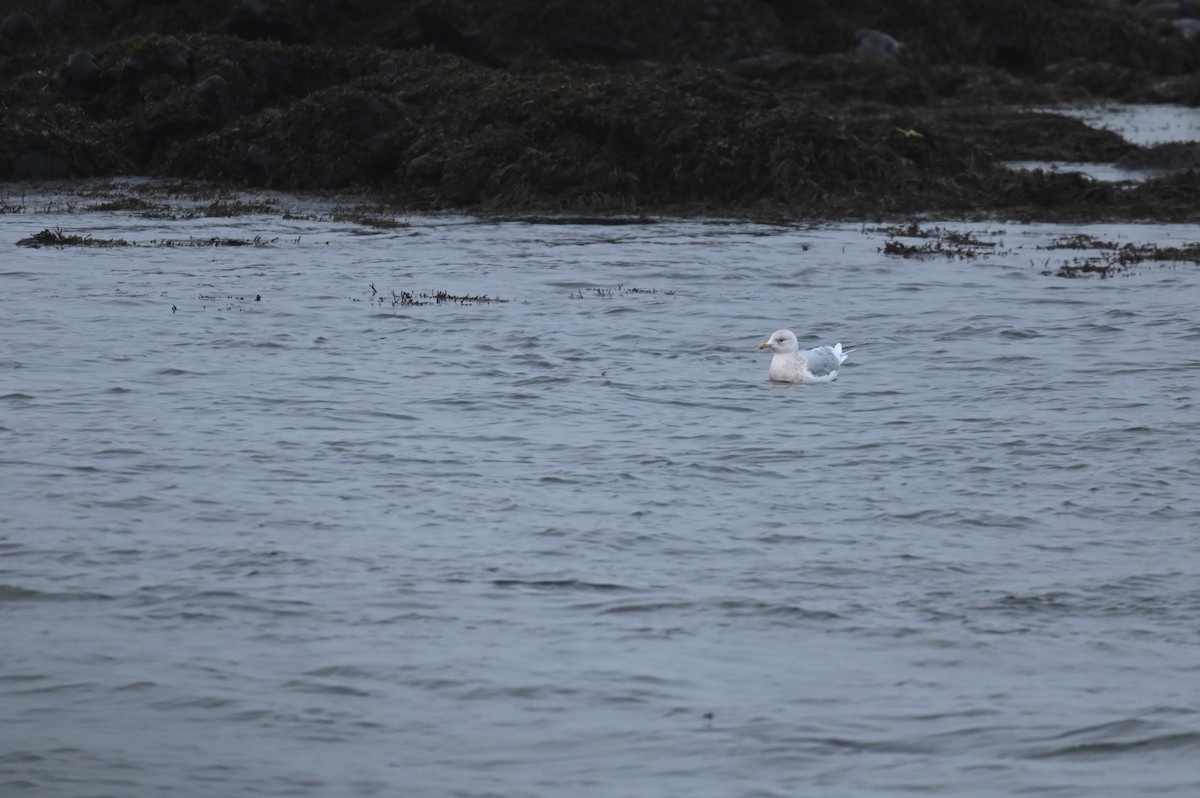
132, 72
813, 27
375, 106
255, 19
1165, 9
214, 92
171, 127
379, 144
34, 165
82, 69
441, 31
157, 87
576, 43
1188, 28
133, 68
81, 76
274, 76
1009, 50
1104, 79
339, 175
877, 45
327, 12
764, 66
425, 168
19, 27
1174, 156
174, 57
424, 145
262, 157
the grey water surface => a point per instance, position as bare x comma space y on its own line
263, 532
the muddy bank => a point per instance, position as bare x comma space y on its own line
800, 108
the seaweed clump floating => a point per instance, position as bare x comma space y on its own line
405, 299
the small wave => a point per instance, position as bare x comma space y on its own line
15, 593
552, 479
1107, 740
545, 379
559, 584
345, 671
647, 606
130, 503
522, 692
392, 416
135, 687
966, 331
201, 702
20, 758
1054, 601
764, 608
304, 686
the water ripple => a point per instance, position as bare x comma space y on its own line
316, 546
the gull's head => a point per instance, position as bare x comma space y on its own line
781, 341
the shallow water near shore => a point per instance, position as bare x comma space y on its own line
1144, 125
271, 529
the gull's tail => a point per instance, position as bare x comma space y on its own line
839, 354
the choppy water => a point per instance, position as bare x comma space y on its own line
576, 543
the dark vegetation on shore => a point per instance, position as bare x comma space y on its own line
1094, 258
748, 107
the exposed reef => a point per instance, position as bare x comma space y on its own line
801, 108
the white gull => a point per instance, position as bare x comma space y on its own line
789, 364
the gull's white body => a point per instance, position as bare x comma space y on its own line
789, 364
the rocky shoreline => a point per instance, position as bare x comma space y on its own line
797, 109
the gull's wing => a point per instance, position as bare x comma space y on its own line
822, 361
